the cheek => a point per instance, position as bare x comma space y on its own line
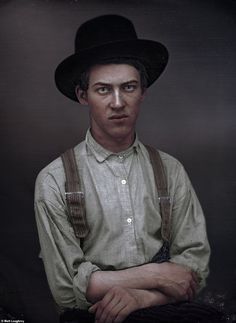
97, 103
134, 99
97, 114
135, 107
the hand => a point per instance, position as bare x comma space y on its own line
116, 305
175, 280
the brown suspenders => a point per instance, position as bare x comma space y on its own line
76, 205
162, 190
74, 195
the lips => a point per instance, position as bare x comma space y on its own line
118, 117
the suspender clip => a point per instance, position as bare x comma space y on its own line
74, 198
164, 199
71, 193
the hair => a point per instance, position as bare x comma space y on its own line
83, 80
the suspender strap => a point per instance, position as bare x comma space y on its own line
162, 190
164, 200
74, 195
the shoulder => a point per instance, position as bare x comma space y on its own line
52, 170
52, 177
170, 163
175, 172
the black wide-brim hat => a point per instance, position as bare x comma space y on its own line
108, 37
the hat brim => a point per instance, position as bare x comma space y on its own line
153, 55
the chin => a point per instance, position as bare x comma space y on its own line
121, 134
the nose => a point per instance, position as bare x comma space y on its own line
117, 100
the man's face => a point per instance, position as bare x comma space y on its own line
114, 96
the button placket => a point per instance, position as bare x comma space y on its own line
122, 167
119, 168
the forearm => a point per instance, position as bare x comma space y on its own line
172, 280
100, 282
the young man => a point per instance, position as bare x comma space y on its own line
111, 271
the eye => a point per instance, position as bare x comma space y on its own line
129, 87
103, 90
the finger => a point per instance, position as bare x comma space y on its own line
189, 289
102, 304
93, 308
114, 313
122, 314
194, 287
99, 311
110, 311
190, 294
109, 301
195, 277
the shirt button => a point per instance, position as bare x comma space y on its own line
123, 181
129, 220
121, 157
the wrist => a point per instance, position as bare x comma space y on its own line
149, 298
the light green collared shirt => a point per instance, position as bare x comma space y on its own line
123, 216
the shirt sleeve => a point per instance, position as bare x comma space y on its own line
189, 243
67, 270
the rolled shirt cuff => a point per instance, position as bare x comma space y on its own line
80, 283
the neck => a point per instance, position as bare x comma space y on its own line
114, 145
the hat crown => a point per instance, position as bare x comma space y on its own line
103, 30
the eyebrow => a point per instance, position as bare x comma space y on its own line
101, 83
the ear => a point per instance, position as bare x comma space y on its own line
81, 95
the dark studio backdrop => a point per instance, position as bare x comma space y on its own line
189, 113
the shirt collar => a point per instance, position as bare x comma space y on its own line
101, 154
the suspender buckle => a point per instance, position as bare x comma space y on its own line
164, 199
74, 197
70, 193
